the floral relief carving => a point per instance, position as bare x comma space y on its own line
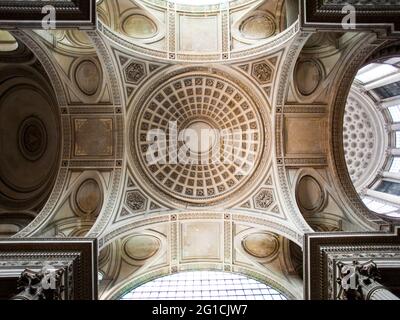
136, 201
263, 199
135, 72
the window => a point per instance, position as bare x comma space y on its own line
388, 91
204, 285
393, 60
375, 71
394, 215
389, 187
397, 139
395, 113
395, 167
379, 207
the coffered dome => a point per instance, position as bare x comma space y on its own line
363, 138
210, 119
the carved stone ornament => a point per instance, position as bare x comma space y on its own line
263, 199
333, 14
135, 72
46, 284
136, 201
29, 13
353, 277
343, 265
50, 268
262, 72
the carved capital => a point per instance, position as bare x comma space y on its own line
46, 284
356, 280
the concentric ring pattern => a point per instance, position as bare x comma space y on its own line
198, 101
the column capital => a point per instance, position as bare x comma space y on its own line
46, 284
359, 281
353, 277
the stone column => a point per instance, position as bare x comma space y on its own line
359, 282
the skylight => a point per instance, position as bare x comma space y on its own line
375, 71
398, 139
204, 285
379, 207
395, 113
395, 167
199, 2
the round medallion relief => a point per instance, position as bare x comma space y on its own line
309, 193
32, 138
258, 27
139, 26
261, 245
141, 247
198, 138
88, 77
308, 75
88, 197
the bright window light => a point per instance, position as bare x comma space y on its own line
393, 60
394, 215
204, 285
395, 167
395, 113
199, 2
398, 139
379, 207
375, 71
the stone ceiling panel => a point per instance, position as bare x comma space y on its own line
199, 137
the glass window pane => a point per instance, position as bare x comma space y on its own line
397, 139
375, 71
395, 167
213, 285
395, 113
388, 91
379, 207
389, 187
393, 60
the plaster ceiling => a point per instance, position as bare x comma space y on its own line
179, 32
363, 138
210, 167
147, 65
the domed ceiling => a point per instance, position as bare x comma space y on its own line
30, 142
188, 137
363, 138
181, 31
210, 132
